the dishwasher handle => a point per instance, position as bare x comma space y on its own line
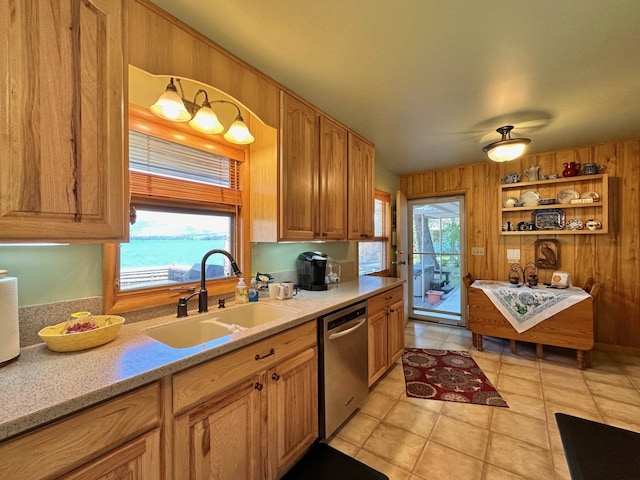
347, 331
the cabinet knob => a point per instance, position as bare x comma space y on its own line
275, 376
258, 386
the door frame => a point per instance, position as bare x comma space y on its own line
459, 197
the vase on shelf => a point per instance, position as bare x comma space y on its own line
570, 169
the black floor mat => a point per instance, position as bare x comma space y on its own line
327, 463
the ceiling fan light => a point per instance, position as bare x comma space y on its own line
170, 106
507, 148
206, 121
239, 132
508, 152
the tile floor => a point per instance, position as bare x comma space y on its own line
416, 439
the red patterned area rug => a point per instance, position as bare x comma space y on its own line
447, 375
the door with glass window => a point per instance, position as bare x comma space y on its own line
436, 233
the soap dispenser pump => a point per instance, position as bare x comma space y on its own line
242, 292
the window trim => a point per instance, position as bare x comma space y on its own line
385, 198
117, 301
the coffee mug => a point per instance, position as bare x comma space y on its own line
273, 290
286, 290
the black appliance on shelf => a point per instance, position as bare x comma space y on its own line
312, 268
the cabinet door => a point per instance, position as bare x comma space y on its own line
298, 171
361, 189
333, 181
137, 460
63, 172
378, 351
395, 320
222, 438
293, 409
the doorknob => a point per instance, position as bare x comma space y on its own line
399, 263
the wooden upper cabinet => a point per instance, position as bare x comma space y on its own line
299, 136
63, 172
361, 188
333, 181
313, 174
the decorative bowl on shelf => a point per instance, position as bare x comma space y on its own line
575, 224
509, 202
547, 201
58, 340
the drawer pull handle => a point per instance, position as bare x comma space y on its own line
258, 386
271, 352
275, 376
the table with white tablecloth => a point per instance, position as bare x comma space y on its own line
540, 315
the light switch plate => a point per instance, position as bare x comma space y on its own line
477, 250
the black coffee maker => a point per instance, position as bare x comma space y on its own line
312, 268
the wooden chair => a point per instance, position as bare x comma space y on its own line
592, 287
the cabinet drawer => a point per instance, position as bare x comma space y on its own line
56, 449
198, 383
383, 300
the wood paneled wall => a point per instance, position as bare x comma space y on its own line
162, 45
613, 259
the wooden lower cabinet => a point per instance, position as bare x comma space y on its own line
119, 439
395, 325
386, 331
257, 428
378, 358
293, 409
136, 460
222, 438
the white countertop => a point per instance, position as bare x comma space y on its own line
41, 385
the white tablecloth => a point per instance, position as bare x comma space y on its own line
525, 307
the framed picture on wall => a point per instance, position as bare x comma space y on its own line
547, 254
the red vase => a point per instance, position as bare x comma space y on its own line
570, 169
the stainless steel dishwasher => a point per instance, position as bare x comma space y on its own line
343, 379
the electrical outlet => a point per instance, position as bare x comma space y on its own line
477, 250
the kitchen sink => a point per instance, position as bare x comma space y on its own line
217, 325
251, 315
188, 333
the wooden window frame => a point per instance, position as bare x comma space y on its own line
118, 301
386, 232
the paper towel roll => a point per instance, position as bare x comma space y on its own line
9, 331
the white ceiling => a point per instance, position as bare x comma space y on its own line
429, 81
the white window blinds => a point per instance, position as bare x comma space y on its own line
163, 169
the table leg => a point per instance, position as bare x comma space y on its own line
513, 345
581, 359
479, 342
539, 352
474, 339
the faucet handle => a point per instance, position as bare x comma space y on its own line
182, 307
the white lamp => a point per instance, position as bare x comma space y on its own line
205, 120
507, 148
239, 132
170, 105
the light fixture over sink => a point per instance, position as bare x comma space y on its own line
507, 148
174, 107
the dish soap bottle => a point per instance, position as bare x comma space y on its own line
242, 292
253, 291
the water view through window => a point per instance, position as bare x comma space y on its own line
166, 247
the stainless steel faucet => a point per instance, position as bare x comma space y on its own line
203, 296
